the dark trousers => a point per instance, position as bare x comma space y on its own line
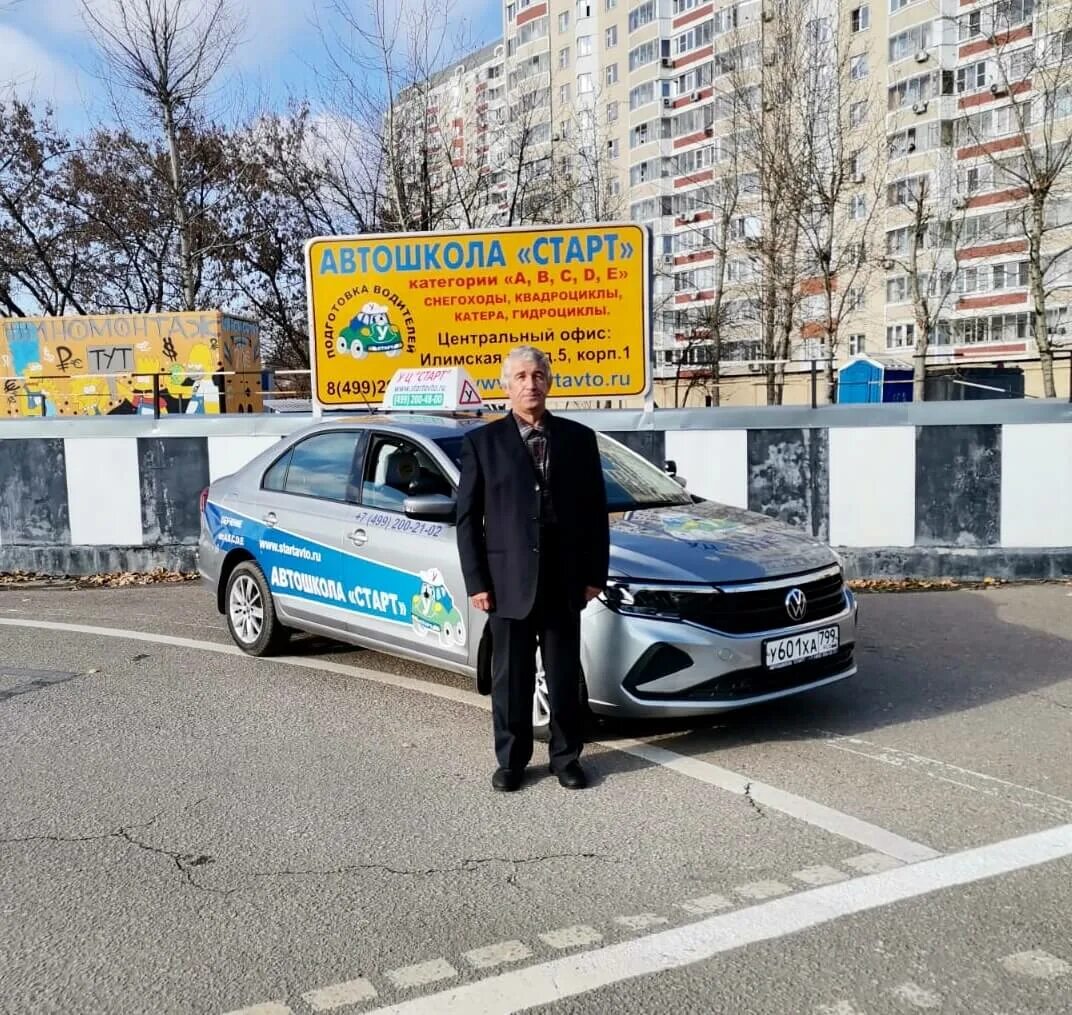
557, 628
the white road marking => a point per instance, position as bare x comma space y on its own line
820, 875
1008, 792
1039, 965
571, 937
763, 890
677, 947
422, 974
872, 863
338, 995
915, 995
498, 954
642, 921
776, 799
268, 1008
706, 904
827, 818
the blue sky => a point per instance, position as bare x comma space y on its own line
46, 52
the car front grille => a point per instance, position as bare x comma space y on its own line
755, 682
757, 610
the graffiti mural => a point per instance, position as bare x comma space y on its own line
104, 365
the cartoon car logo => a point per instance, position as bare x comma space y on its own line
370, 331
433, 611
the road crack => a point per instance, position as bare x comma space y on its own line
752, 800
467, 866
186, 863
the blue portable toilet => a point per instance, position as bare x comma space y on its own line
864, 379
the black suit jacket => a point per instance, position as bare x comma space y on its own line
499, 506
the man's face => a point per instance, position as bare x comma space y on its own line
528, 386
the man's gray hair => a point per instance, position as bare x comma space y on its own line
529, 352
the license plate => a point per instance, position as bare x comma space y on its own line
799, 648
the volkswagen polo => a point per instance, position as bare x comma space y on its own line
345, 529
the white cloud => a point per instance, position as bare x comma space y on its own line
30, 70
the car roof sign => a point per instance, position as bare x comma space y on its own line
448, 389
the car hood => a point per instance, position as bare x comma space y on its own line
709, 542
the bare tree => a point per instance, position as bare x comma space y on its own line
927, 249
387, 58
714, 278
1027, 67
41, 257
845, 170
768, 59
170, 53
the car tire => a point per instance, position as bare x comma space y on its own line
341, 345
393, 353
357, 350
250, 612
459, 633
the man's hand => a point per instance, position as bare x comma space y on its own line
590, 593
481, 601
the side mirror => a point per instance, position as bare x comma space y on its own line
430, 507
670, 467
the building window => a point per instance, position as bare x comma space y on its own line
858, 67
854, 298
611, 36
609, 5
857, 344
642, 15
584, 84
858, 206
563, 95
612, 112
563, 57
563, 21
584, 45
857, 112
900, 336
860, 19
612, 73
614, 147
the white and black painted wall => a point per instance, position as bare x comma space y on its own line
944, 489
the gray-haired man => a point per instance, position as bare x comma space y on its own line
533, 536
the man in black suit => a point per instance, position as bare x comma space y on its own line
534, 541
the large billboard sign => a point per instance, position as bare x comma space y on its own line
383, 302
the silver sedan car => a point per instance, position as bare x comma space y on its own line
345, 529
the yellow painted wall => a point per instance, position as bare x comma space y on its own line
103, 364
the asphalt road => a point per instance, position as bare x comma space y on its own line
186, 829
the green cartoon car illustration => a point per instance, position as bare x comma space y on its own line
370, 331
433, 610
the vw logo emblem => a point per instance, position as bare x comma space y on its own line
796, 604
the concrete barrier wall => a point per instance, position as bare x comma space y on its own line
948, 489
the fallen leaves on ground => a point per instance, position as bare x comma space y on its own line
109, 580
934, 584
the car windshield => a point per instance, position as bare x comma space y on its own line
632, 482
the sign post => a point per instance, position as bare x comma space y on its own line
380, 303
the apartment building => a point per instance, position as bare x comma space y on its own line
666, 100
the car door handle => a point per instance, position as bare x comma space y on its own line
270, 518
359, 537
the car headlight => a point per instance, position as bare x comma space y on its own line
667, 602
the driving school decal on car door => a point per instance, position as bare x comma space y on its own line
313, 572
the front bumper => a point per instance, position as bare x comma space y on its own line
649, 668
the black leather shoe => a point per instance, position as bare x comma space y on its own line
507, 779
572, 776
